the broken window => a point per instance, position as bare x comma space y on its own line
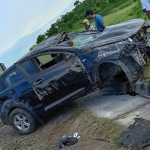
83, 38
48, 60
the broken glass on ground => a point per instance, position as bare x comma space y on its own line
137, 136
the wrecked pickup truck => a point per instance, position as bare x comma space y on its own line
52, 74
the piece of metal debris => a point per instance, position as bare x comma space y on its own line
137, 136
102, 140
68, 140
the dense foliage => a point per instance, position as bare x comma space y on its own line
72, 20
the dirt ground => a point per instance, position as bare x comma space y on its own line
66, 122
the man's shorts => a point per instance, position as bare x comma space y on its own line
145, 5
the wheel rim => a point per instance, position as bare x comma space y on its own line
21, 122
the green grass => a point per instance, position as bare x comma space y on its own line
120, 16
45, 59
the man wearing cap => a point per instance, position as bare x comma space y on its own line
98, 19
87, 25
146, 7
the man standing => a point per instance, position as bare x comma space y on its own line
99, 20
87, 25
146, 7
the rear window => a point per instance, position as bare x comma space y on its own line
28, 67
12, 77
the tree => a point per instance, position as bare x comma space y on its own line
54, 29
112, 1
40, 38
31, 48
77, 2
48, 34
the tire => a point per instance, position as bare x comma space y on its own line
22, 121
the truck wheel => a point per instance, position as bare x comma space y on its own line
22, 121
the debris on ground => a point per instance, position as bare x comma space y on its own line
47, 137
102, 140
68, 140
137, 136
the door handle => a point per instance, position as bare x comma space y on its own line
39, 81
13, 91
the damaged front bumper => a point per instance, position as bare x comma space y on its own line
143, 87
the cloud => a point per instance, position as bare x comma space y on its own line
21, 17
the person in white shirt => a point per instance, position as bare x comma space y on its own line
146, 7
87, 25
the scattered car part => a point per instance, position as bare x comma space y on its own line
143, 87
137, 136
68, 140
102, 140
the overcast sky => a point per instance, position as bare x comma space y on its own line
21, 17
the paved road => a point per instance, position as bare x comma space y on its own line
121, 109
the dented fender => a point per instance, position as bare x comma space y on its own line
113, 59
96, 65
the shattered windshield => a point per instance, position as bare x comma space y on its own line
83, 38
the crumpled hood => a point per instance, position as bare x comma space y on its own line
111, 34
116, 33
90, 40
